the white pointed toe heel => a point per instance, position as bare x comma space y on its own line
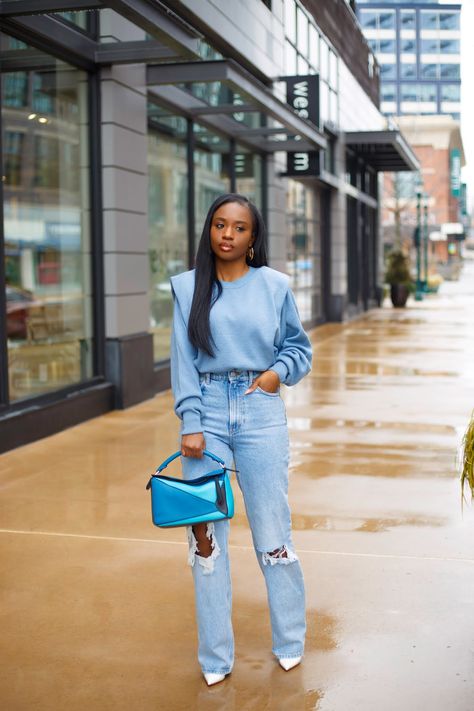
289, 662
213, 678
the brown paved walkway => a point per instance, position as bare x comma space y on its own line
97, 605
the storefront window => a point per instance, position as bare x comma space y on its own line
45, 126
248, 175
167, 218
303, 262
211, 172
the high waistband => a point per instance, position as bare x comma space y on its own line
230, 375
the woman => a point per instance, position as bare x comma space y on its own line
237, 336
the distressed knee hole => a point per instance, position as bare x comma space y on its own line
206, 561
280, 555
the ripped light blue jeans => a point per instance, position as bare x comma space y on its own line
250, 430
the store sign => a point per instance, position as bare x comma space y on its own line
244, 165
456, 172
302, 94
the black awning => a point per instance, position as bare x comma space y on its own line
175, 83
385, 151
170, 37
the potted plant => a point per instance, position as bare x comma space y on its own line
467, 461
398, 276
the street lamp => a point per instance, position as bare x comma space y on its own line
419, 284
425, 241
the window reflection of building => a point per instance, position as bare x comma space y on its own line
211, 172
415, 45
46, 224
248, 175
168, 199
167, 218
304, 249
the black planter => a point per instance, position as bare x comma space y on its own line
399, 294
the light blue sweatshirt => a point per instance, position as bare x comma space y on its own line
255, 326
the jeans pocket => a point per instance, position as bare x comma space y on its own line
265, 392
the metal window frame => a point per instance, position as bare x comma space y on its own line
96, 225
4, 399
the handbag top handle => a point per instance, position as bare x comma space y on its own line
178, 454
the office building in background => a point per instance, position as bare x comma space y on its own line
417, 45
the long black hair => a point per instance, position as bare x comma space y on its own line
199, 330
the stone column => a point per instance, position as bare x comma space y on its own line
129, 345
277, 226
338, 241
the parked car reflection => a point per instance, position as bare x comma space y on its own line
34, 318
19, 301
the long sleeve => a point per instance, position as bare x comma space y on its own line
184, 375
295, 354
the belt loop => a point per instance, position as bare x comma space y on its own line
208, 378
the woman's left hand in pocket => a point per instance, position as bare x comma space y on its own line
268, 381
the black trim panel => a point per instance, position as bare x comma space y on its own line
33, 423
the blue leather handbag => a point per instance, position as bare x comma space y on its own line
178, 502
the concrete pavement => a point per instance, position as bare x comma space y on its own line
97, 605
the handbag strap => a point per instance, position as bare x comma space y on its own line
178, 454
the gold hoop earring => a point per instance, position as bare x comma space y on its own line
250, 253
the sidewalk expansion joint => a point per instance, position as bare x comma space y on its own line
349, 554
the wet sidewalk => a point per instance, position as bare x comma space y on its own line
97, 605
